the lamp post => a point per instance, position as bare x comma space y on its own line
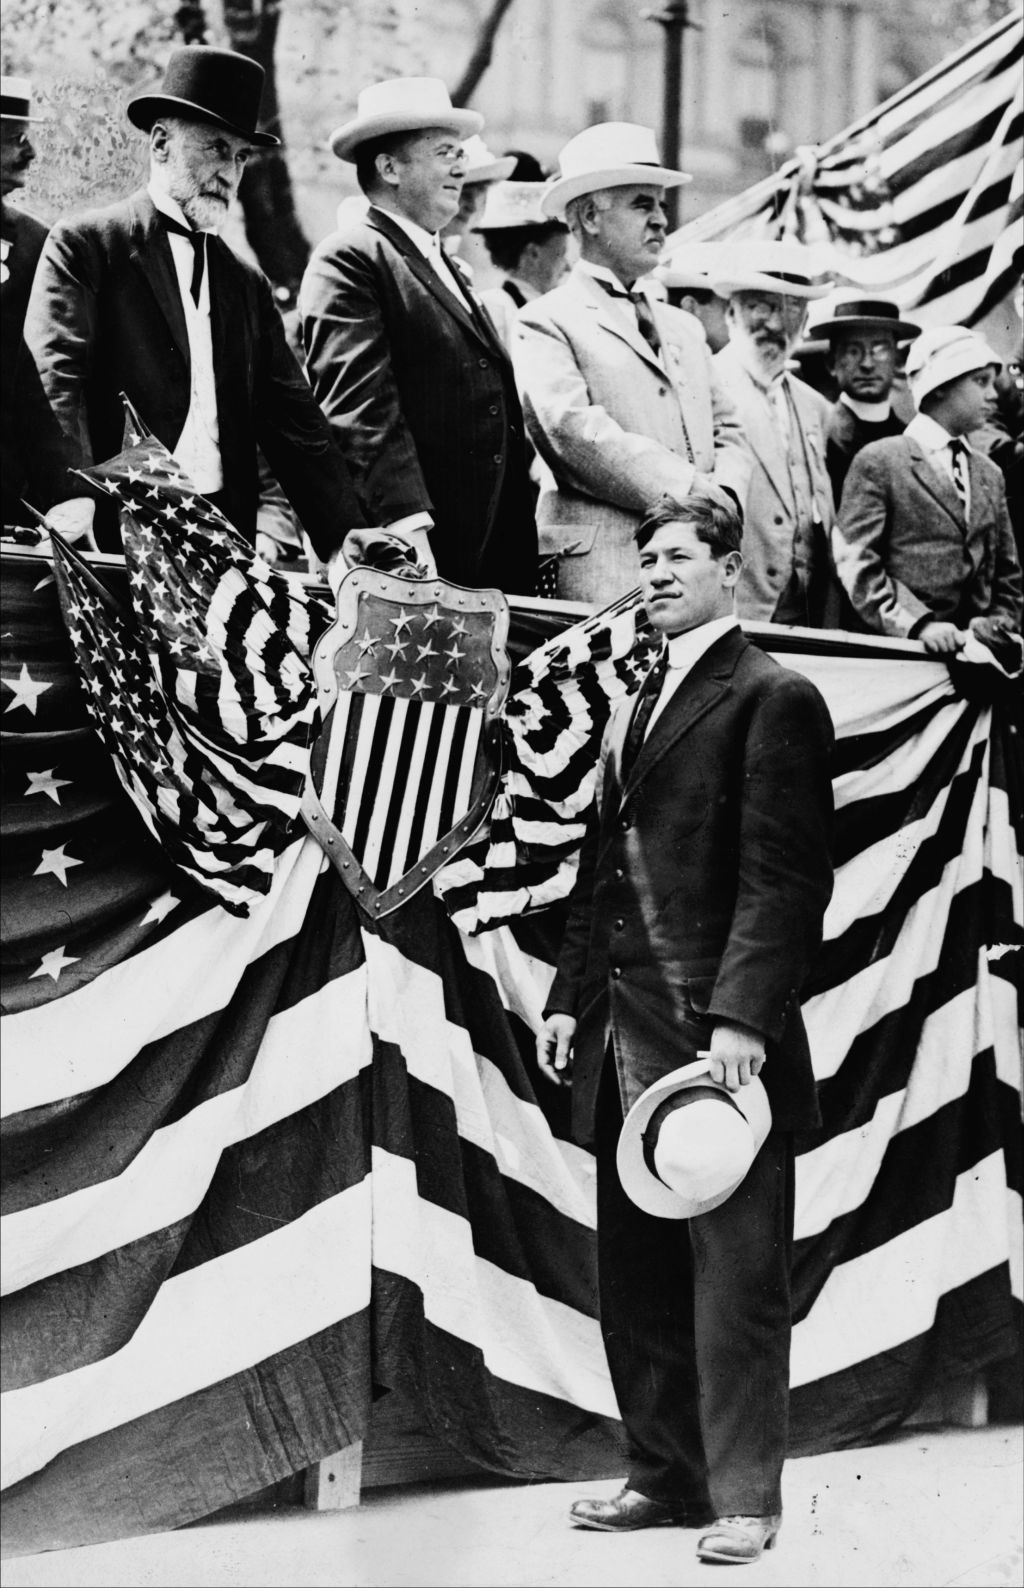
674, 18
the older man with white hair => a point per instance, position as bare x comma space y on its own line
619, 392
786, 574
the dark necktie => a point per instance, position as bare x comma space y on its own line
650, 691
960, 475
642, 309
198, 241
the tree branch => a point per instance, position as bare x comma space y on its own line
483, 52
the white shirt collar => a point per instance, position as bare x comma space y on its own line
427, 243
930, 435
871, 413
602, 273
685, 650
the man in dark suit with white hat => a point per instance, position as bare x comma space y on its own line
696, 914
404, 359
144, 298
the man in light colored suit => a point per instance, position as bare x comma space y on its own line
789, 509
619, 392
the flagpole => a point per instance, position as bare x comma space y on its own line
674, 19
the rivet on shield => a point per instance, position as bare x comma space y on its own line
330, 840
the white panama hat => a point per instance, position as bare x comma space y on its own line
612, 154
511, 204
691, 265
402, 104
705, 1147
944, 353
484, 166
16, 100
763, 265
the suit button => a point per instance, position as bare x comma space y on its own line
778, 518
497, 457
662, 391
619, 874
624, 824
494, 410
484, 364
772, 572
620, 923
616, 972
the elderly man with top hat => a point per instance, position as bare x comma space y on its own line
923, 543
144, 298
404, 359
786, 574
33, 457
864, 338
696, 913
621, 398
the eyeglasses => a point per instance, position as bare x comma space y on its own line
857, 350
759, 310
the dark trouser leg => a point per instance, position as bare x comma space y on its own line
645, 1281
742, 1253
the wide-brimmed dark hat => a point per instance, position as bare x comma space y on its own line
202, 84
844, 314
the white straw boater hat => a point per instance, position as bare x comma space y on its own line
484, 166
944, 353
402, 104
704, 1147
612, 154
762, 265
513, 204
16, 100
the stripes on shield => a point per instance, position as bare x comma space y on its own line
404, 772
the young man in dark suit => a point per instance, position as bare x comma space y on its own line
697, 911
144, 298
404, 359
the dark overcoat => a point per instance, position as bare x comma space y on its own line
703, 882
105, 317
420, 391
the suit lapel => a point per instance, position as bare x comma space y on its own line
151, 254
761, 436
937, 486
701, 690
449, 298
618, 324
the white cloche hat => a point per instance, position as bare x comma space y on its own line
944, 353
402, 104
484, 166
612, 154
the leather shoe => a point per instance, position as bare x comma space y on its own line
629, 1510
738, 1539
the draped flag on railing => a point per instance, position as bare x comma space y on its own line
259, 1170
922, 200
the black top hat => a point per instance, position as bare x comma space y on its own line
851, 314
201, 84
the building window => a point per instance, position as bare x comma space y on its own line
605, 63
758, 84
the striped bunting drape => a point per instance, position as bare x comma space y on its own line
259, 1169
922, 200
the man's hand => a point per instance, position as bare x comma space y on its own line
267, 548
554, 1048
73, 519
942, 639
737, 1055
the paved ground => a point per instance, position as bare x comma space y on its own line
926, 1509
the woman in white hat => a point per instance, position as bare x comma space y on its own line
523, 242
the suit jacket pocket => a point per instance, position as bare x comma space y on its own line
566, 540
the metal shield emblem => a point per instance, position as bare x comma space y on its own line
411, 679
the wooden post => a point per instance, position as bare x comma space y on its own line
334, 1483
